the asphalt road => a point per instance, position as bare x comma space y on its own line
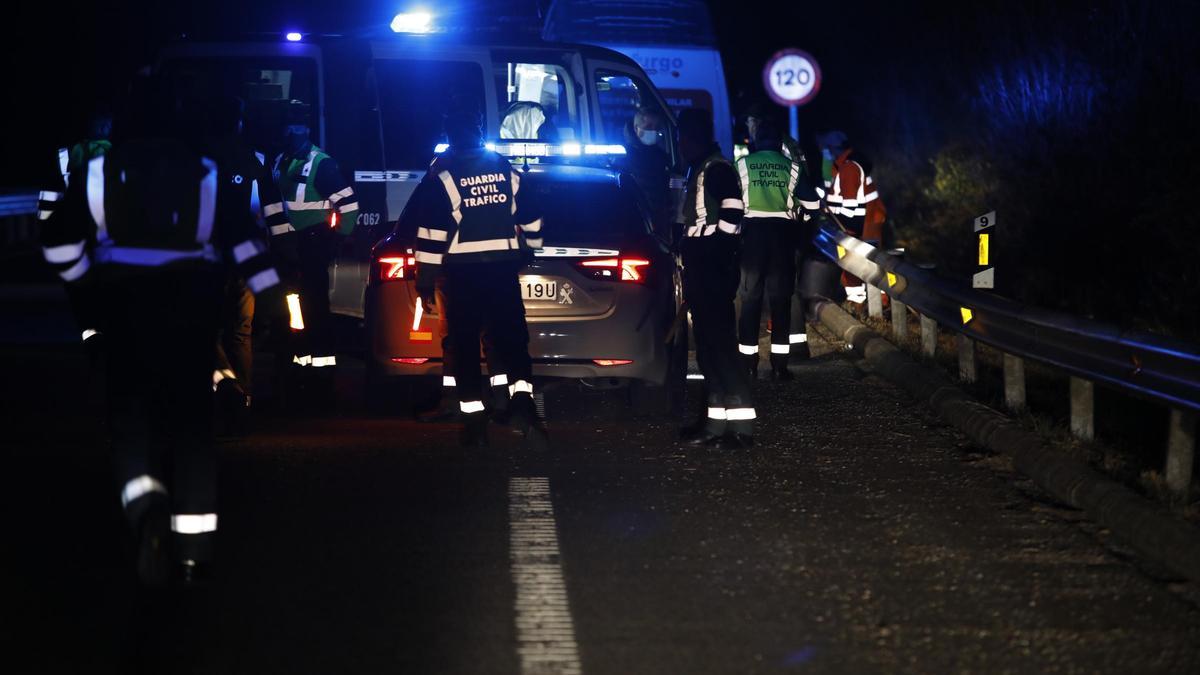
860, 537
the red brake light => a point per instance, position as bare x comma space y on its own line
612, 362
396, 267
410, 360
630, 269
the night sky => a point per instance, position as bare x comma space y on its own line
56, 60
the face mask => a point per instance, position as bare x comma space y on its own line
648, 136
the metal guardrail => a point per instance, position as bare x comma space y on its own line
1156, 367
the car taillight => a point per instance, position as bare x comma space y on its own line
394, 267
410, 360
623, 269
612, 362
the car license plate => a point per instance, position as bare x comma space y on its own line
538, 288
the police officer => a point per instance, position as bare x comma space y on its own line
163, 226
773, 190
478, 232
321, 207
244, 174
713, 211
71, 162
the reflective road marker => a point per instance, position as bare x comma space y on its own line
545, 632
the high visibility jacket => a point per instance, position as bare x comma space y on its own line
151, 204
712, 200
69, 161
853, 198
768, 182
314, 192
470, 210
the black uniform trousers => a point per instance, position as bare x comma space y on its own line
160, 326
496, 371
234, 347
316, 248
710, 280
768, 260
485, 299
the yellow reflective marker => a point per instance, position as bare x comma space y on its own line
296, 317
983, 248
891, 279
967, 315
841, 252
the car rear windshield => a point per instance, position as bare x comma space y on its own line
586, 214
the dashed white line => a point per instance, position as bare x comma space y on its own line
545, 633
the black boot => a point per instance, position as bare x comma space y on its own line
524, 419
501, 412
751, 362
474, 431
779, 369
153, 531
446, 409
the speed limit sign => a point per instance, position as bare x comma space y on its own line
792, 77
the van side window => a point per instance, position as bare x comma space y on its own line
537, 101
620, 96
413, 96
265, 85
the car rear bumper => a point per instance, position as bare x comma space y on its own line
633, 330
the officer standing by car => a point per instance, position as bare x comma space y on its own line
773, 190
478, 233
163, 226
713, 211
321, 209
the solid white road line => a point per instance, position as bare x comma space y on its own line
545, 633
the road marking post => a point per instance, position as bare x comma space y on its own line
1083, 410
966, 358
900, 321
545, 631
874, 301
928, 336
1014, 382
1181, 447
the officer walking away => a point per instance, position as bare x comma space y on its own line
71, 162
713, 211
321, 209
479, 233
773, 190
245, 176
852, 200
163, 226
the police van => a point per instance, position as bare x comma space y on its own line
672, 40
377, 102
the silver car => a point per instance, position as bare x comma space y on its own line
601, 297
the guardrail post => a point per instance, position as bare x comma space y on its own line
1083, 417
1181, 446
966, 358
1014, 382
899, 321
874, 301
928, 336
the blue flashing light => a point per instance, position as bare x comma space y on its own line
537, 149
590, 149
412, 22
294, 37
441, 147
571, 149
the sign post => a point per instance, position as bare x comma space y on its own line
792, 78
985, 231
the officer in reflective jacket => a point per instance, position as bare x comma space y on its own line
712, 218
479, 232
321, 208
164, 229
